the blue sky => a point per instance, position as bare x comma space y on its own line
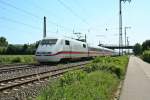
21, 21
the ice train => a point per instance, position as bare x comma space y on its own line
57, 49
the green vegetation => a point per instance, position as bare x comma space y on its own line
146, 55
98, 81
137, 49
12, 49
8, 59
3, 42
114, 65
143, 50
146, 45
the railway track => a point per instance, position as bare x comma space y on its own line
11, 72
16, 67
9, 85
10, 65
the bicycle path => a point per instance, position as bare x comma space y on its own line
137, 81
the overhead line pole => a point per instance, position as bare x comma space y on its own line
128, 43
44, 28
120, 26
125, 32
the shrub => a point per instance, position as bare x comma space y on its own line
71, 77
109, 67
17, 60
115, 65
146, 56
96, 85
98, 81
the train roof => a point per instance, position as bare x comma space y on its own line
90, 46
93, 46
65, 38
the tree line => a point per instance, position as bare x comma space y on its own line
6, 48
138, 49
143, 50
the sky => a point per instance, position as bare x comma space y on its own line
21, 21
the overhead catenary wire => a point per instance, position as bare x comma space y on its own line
29, 13
44, 9
22, 23
81, 7
18, 22
71, 11
19, 9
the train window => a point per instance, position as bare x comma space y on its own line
84, 46
48, 41
67, 42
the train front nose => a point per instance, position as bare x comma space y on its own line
46, 56
45, 51
43, 56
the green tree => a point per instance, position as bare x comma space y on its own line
3, 41
146, 45
11, 49
146, 55
24, 49
137, 49
37, 44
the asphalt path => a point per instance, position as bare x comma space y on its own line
136, 85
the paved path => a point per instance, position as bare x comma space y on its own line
137, 82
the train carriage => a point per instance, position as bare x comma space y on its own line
56, 49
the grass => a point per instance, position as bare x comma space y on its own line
115, 65
97, 85
98, 81
10, 59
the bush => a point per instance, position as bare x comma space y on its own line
71, 77
104, 67
17, 60
115, 65
98, 81
96, 85
146, 56
137, 49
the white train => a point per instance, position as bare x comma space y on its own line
56, 49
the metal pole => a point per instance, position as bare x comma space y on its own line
120, 27
125, 35
85, 37
57, 29
125, 38
128, 43
44, 29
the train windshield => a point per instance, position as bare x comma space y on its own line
48, 41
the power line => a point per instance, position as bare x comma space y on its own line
29, 13
43, 9
8, 10
82, 8
21, 23
19, 9
71, 11
18, 22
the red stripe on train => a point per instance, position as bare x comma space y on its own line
68, 52
73, 52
